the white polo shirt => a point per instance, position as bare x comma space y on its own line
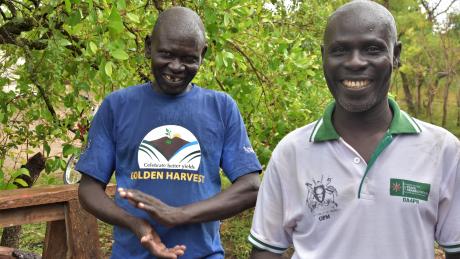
321, 196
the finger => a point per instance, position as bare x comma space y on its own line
151, 209
160, 250
122, 192
142, 199
179, 249
141, 196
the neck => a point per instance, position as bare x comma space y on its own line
375, 120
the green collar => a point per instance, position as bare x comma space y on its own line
401, 123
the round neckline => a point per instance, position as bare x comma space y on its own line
154, 93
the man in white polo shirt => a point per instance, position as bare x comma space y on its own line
366, 180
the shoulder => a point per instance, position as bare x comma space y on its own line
437, 137
213, 94
131, 93
435, 132
296, 139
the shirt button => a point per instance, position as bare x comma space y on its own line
356, 160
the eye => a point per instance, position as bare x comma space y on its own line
339, 50
165, 54
373, 50
190, 59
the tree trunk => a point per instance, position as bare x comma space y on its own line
11, 235
420, 81
407, 93
458, 108
445, 103
429, 107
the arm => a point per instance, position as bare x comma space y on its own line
93, 198
241, 195
262, 254
453, 256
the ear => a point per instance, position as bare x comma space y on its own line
203, 52
396, 54
148, 45
322, 52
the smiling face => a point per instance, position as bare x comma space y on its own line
176, 50
358, 55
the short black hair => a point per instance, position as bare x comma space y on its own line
378, 10
184, 21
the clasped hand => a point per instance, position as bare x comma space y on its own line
162, 213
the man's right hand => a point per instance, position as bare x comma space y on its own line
152, 242
93, 198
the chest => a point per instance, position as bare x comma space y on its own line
168, 131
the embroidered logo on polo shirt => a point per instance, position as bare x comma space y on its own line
321, 198
410, 191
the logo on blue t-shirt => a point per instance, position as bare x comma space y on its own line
169, 147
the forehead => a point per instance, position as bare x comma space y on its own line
168, 37
358, 24
178, 36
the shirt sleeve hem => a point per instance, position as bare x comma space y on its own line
264, 246
450, 249
235, 174
100, 179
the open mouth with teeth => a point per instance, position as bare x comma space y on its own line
356, 84
172, 79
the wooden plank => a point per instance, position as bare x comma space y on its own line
6, 252
32, 214
42, 195
82, 232
55, 245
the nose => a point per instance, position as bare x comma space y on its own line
176, 65
356, 61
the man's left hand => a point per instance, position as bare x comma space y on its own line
164, 214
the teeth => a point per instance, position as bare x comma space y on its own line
355, 84
170, 78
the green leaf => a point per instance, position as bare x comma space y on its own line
24, 171
133, 17
120, 54
121, 4
62, 164
21, 182
68, 150
19, 172
115, 21
74, 18
226, 19
68, 6
108, 68
93, 47
64, 42
47, 148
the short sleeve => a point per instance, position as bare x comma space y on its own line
98, 159
448, 225
267, 231
238, 158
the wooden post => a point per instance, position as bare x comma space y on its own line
82, 232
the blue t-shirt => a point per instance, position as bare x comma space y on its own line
170, 147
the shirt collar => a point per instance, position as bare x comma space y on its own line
401, 123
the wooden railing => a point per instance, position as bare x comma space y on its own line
71, 232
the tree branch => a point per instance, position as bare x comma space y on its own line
222, 87
447, 9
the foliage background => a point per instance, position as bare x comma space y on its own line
61, 57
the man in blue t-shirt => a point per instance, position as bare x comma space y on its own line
166, 142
